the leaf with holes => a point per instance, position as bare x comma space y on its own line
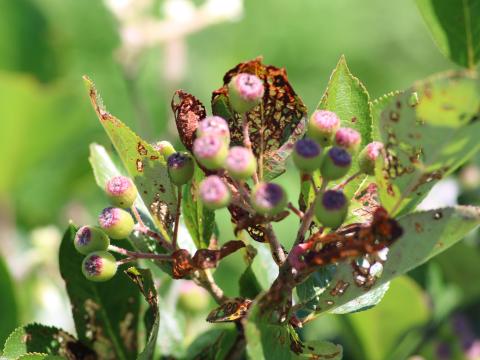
143, 279
36, 338
455, 27
428, 131
145, 165
106, 323
274, 125
425, 234
199, 220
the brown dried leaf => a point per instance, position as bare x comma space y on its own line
181, 263
188, 111
207, 259
230, 310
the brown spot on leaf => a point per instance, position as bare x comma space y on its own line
142, 151
340, 288
418, 227
139, 165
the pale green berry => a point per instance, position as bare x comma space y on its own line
245, 91
241, 163
322, 126
180, 167
99, 266
210, 151
214, 193
331, 208
348, 139
165, 148
121, 191
89, 239
369, 156
216, 126
116, 223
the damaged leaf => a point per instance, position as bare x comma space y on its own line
108, 324
230, 310
145, 165
275, 125
427, 139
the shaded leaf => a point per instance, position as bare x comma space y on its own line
8, 303
106, 323
275, 124
207, 259
447, 109
188, 111
213, 344
455, 27
199, 220
425, 234
248, 283
144, 164
143, 279
36, 338
317, 350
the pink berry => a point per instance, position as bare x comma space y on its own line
369, 156
245, 91
214, 125
348, 138
214, 193
322, 126
210, 151
241, 163
121, 191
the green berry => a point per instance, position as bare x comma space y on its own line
121, 191
214, 125
245, 91
348, 139
268, 198
192, 298
116, 223
210, 151
368, 157
322, 126
214, 193
89, 239
99, 266
241, 163
335, 163
307, 155
180, 167
165, 148
331, 208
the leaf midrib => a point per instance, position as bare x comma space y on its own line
468, 34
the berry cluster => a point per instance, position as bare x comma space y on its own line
113, 223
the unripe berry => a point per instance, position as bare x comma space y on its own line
335, 163
116, 223
307, 155
210, 151
369, 156
99, 266
165, 148
214, 193
89, 239
268, 198
214, 125
121, 191
331, 208
348, 138
322, 126
180, 167
245, 91
241, 163
192, 298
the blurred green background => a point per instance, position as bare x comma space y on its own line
46, 125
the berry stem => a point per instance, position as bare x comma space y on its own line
132, 255
278, 254
206, 280
296, 211
145, 230
177, 218
347, 181
246, 141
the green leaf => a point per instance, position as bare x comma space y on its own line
348, 98
274, 125
105, 314
36, 338
143, 279
144, 164
37, 356
381, 329
319, 350
8, 303
248, 284
455, 27
426, 234
429, 140
199, 220
214, 344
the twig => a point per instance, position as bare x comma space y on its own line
206, 280
246, 141
277, 251
346, 181
144, 229
177, 218
296, 211
133, 255
137, 216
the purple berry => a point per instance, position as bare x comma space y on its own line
214, 125
214, 193
116, 223
331, 208
348, 138
121, 191
210, 151
336, 164
241, 163
180, 167
307, 155
89, 239
268, 198
322, 126
245, 91
368, 157
99, 266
